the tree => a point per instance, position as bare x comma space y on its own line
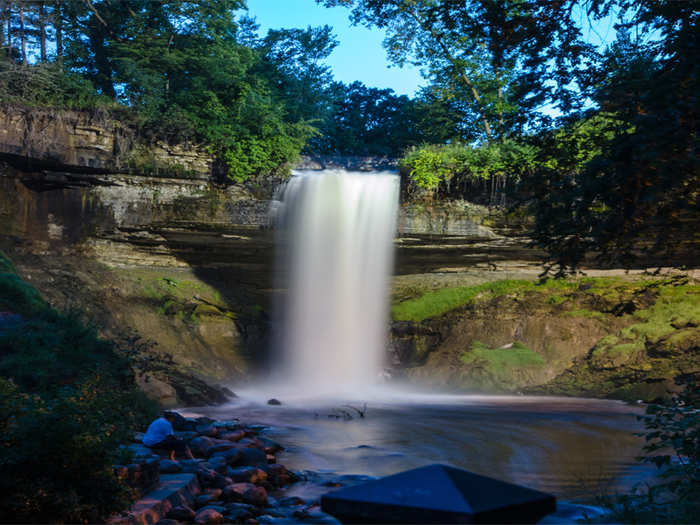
636, 194
502, 59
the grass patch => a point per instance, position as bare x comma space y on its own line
438, 302
488, 368
584, 313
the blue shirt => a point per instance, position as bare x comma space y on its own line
157, 432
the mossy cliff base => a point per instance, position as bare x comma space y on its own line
618, 337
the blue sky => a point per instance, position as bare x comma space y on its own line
359, 55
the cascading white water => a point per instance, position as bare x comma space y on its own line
338, 229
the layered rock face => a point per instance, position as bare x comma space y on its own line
145, 241
91, 142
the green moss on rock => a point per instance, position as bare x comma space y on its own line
499, 369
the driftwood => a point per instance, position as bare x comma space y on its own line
343, 413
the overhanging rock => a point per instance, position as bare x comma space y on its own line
438, 494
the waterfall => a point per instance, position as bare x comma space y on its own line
336, 229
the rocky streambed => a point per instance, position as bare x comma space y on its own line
236, 479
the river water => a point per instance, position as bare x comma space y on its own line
576, 449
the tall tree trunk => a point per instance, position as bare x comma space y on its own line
3, 14
42, 31
22, 36
9, 30
58, 25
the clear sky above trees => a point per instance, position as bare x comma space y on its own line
359, 55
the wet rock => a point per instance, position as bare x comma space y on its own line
315, 515
230, 393
236, 435
213, 506
218, 463
203, 420
181, 513
191, 466
169, 467
291, 501
251, 457
200, 446
274, 401
168, 521
231, 456
220, 446
207, 430
247, 474
209, 478
208, 516
238, 512
140, 452
278, 474
214, 492
235, 491
267, 518
138, 437
232, 424
255, 496
204, 499
270, 447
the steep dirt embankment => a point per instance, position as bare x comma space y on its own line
616, 337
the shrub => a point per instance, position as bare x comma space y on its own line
67, 399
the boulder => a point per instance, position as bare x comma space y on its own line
247, 474
221, 445
269, 446
201, 446
274, 401
235, 491
207, 430
218, 463
278, 474
218, 508
169, 467
232, 456
228, 425
255, 496
191, 466
140, 452
251, 457
208, 516
204, 499
236, 435
290, 501
203, 420
239, 512
209, 478
181, 513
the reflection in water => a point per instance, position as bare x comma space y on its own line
573, 448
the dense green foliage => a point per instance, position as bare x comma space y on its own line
672, 434
67, 400
481, 174
617, 174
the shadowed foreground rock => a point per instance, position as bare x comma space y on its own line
438, 494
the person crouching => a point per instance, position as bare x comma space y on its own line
160, 436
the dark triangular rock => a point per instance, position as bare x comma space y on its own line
438, 494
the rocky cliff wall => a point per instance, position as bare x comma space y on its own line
91, 142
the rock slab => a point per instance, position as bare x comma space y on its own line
174, 490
